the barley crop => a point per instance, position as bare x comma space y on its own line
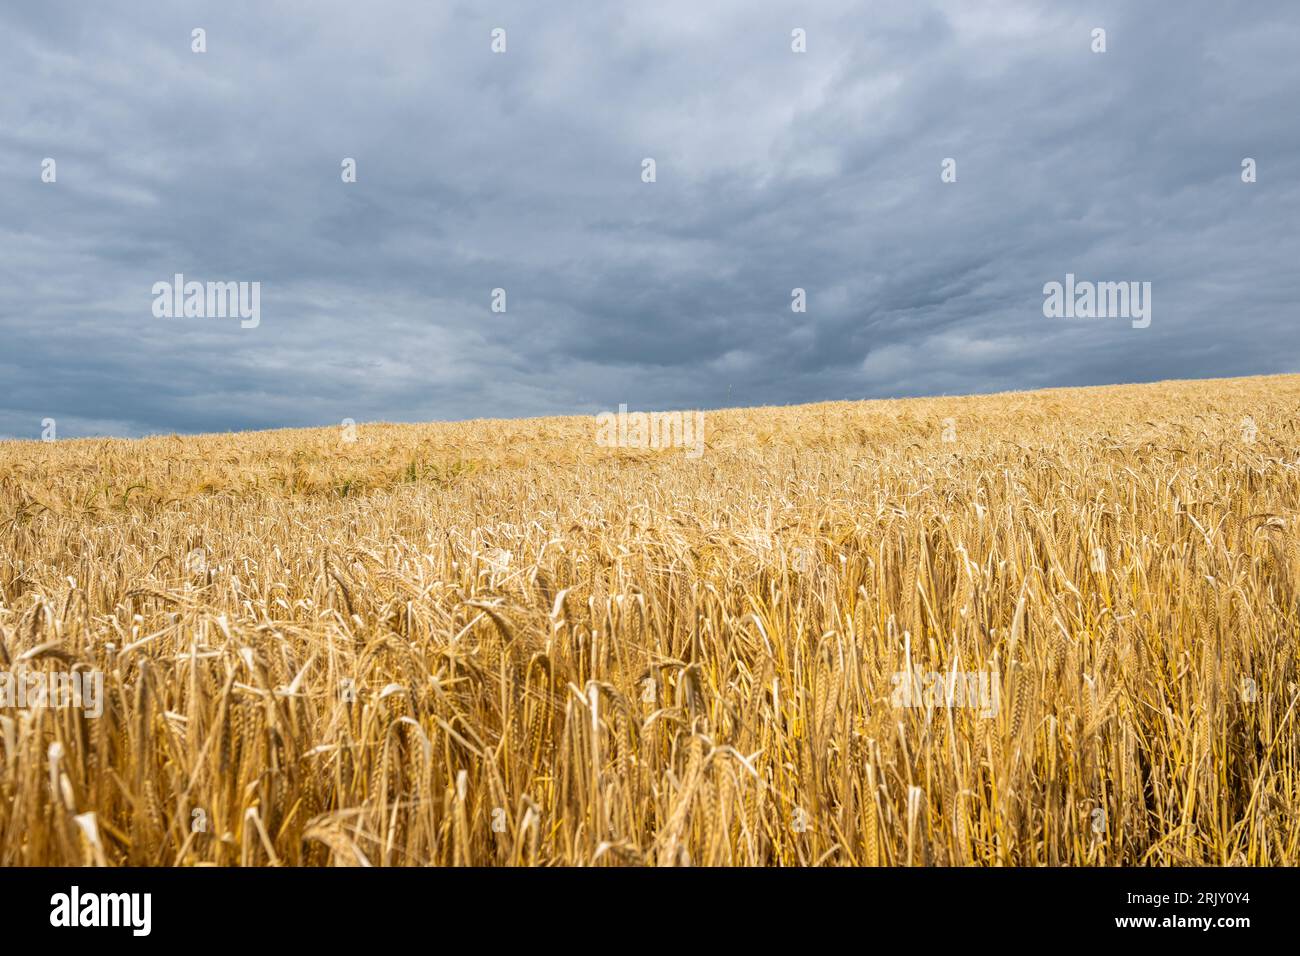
497, 643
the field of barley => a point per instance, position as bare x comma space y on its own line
497, 643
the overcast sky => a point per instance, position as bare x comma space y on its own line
522, 170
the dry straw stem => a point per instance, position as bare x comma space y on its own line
497, 643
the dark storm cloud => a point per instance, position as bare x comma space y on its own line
776, 170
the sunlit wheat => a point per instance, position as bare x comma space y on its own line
499, 643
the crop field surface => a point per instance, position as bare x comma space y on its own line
1036, 628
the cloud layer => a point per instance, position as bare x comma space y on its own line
522, 171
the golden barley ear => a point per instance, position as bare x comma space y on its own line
1020, 702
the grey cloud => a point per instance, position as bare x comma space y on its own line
522, 171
